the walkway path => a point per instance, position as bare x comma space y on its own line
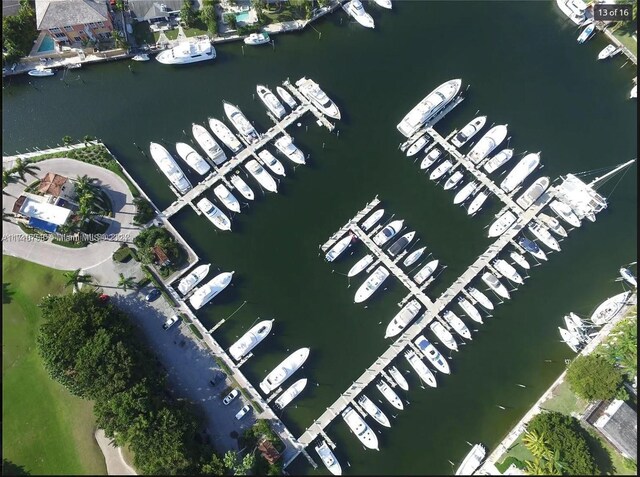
116, 465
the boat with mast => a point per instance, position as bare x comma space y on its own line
192, 158
628, 277
250, 339
609, 308
225, 135
208, 144
169, 168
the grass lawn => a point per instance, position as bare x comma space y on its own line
518, 451
624, 34
45, 429
564, 401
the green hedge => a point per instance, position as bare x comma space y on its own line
196, 331
122, 255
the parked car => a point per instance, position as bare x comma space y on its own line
230, 397
171, 321
217, 377
242, 412
153, 294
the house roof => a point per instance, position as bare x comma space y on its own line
60, 13
52, 184
619, 424
268, 451
160, 254
54, 214
148, 9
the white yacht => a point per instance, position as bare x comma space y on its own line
532, 247
187, 52
464, 193
225, 135
628, 277
471, 311
286, 97
215, 215
634, 92
572, 340
319, 98
453, 180
192, 158
284, 370
388, 232
169, 168
507, 271
398, 378
257, 39
371, 284
399, 245
402, 319
487, 143
141, 57
520, 172
291, 393
421, 369
270, 101
262, 176
497, 161
196, 276
480, 298
468, 131
360, 428
609, 308
477, 202
425, 272
210, 290
472, 461
355, 9
433, 355
496, 285
456, 324
533, 192
272, 163
389, 394
574, 9
286, 146
564, 212
608, 51
542, 234
502, 223
208, 144
441, 170
432, 156
241, 186
372, 220
444, 335
41, 71
413, 257
241, 123
553, 224
250, 339
360, 265
339, 247
587, 33
329, 459
429, 107
373, 410
520, 260
384, 3
227, 198
417, 146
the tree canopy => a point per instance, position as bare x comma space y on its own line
621, 347
18, 33
592, 377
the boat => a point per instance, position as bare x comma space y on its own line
187, 52
169, 168
41, 71
507, 271
389, 394
250, 339
433, 155
340, 246
270, 101
502, 223
286, 97
577, 322
464, 193
532, 247
542, 234
480, 298
227, 198
73, 65
372, 220
457, 324
520, 260
609, 308
284, 370
354, 9
360, 265
553, 224
257, 39
497, 161
628, 277
425, 272
413, 257
402, 319
241, 186
329, 459
434, 357
388, 232
192, 158
564, 212
384, 3
141, 57
262, 176
496, 285
487, 143
196, 276
291, 393
634, 92
574, 9
468, 131
215, 215
400, 244
360, 428
428, 107
453, 180
576, 331
371, 284
441, 170
319, 98
472, 461
444, 335
586, 33
241, 123
225, 135
417, 146
471, 311
398, 378
286, 146
608, 52
477, 202
272, 163
373, 410
572, 341
208, 144
210, 290
533, 192
520, 172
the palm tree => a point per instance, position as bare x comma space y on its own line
87, 138
534, 467
536, 443
555, 465
75, 279
127, 283
24, 167
7, 178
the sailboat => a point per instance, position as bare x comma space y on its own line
628, 277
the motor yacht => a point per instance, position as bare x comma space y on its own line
520, 172
41, 71
481, 298
284, 370
286, 97
286, 146
389, 394
402, 319
453, 180
472, 460
433, 356
542, 234
270, 101
340, 246
360, 265
354, 9
291, 393
502, 223
329, 459
570, 339
384, 3
192, 158
417, 146
310, 89
360, 428
262, 176
192, 279
169, 168
564, 212
388, 232
250, 339
441, 170
468, 131
471, 311
371, 284
608, 51
208, 144
574, 9
425, 272
586, 33
272, 163
413, 257
628, 277
257, 39
496, 285
241, 123
553, 224
532, 247
399, 245
507, 271
477, 202
432, 156
430, 105
467, 191
487, 143
241, 186
210, 290
373, 410
497, 161
456, 324
444, 335
187, 52
533, 192
398, 378
520, 260
372, 220
421, 369
227, 198
215, 215
225, 135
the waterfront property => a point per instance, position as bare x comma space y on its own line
74, 22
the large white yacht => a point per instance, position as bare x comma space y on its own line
533, 192
520, 172
532, 247
433, 355
291, 393
241, 123
271, 101
215, 215
371, 284
542, 234
310, 89
477, 202
487, 143
507, 271
250, 339
356, 10
609, 308
191, 157
497, 161
421, 369
456, 324
284, 370
286, 97
398, 378
329, 459
208, 144
360, 428
339, 247
429, 107
169, 168
574, 9
471, 311
272, 162
388, 232
196, 276
402, 318
481, 297
413, 257
227, 198
187, 52
453, 180
360, 265
565, 212
441, 170
286, 146
496, 285
262, 176
468, 131
225, 135
502, 223
519, 259
553, 224
389, 394
444, 335
374, 411
241, 186
210, 290
372, 220
468, 190
425, 272
473, 459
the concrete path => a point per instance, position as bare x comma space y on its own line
116, 465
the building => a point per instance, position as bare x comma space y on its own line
55, 186
618, 423
161, 256
39, 213
268, 451
74, 21
155, 11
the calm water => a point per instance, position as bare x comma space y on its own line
524, 68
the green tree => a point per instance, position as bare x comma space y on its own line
18, 33
76, 278
7, 178
66, 140
187, 15
258, 7
127, 283
214, 466
230, 19
87, 139
209, 17
23, 168
621, 346
119, 40
592, 377
536, 443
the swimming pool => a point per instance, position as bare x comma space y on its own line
242, 17
47, 45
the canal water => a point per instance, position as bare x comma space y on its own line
524, 68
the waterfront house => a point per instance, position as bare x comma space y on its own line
38, 213
268, 451
71, 22
618, 423
157, 11
54, 187
161, 257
